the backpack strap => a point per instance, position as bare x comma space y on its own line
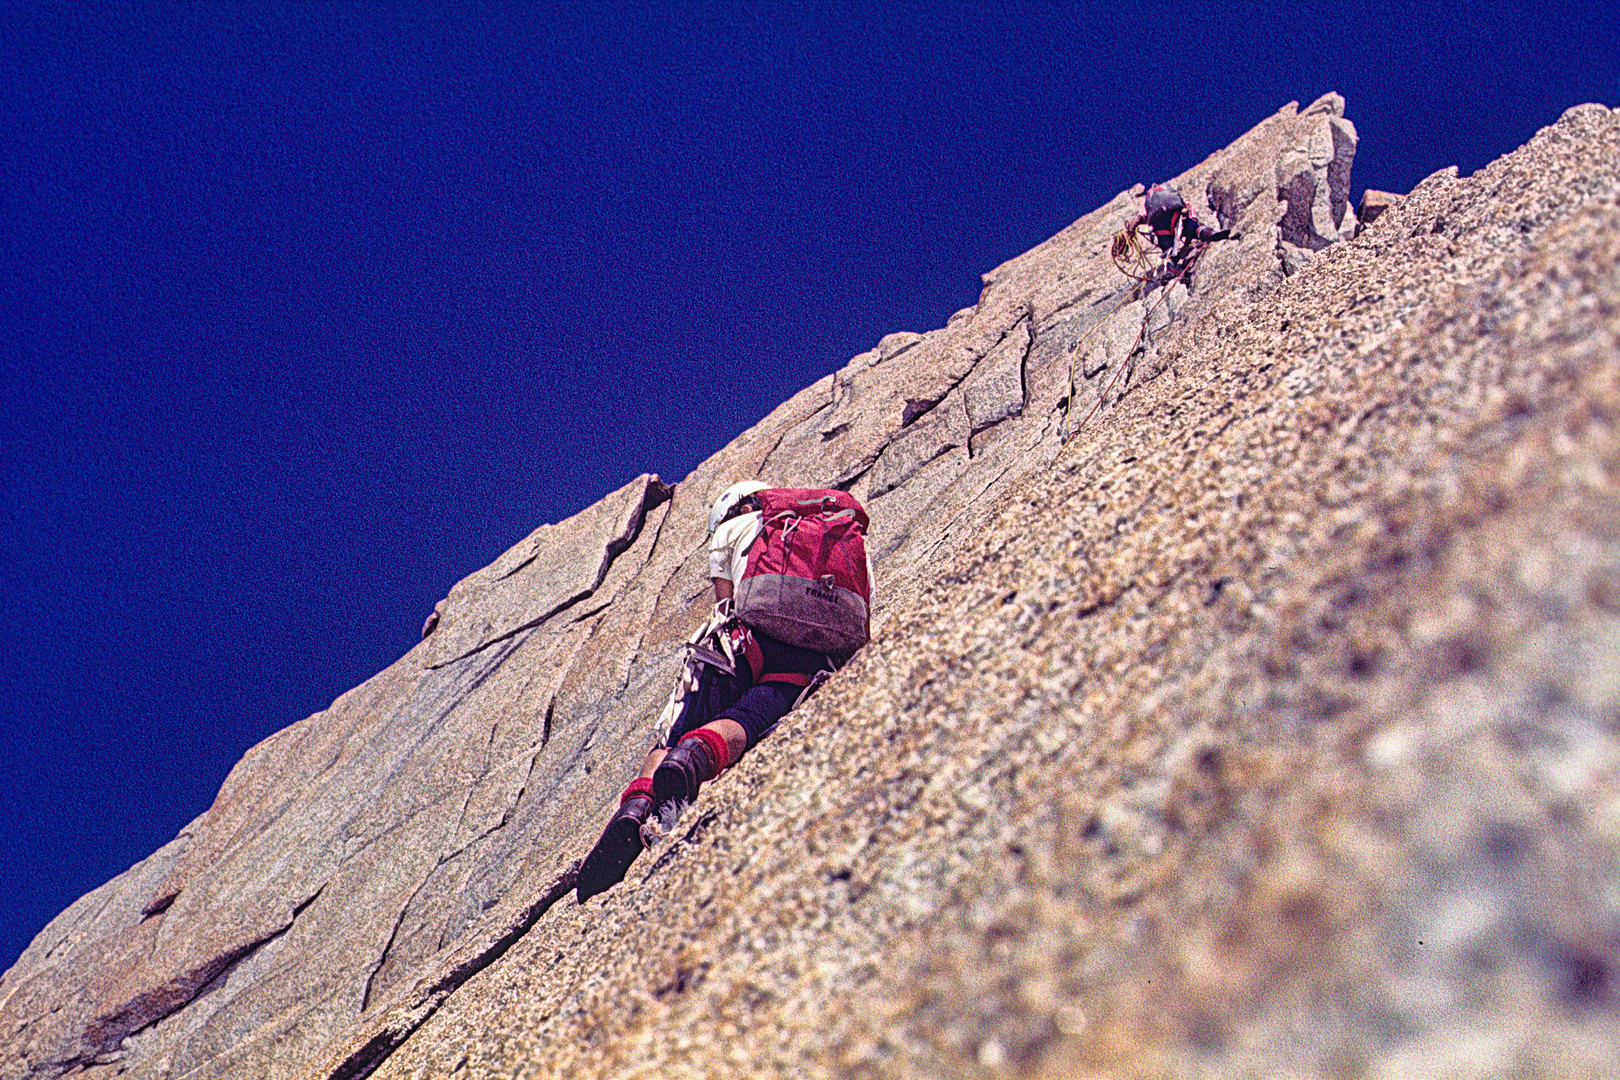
812, 686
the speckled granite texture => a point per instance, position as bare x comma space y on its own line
1267, 727
1272, 732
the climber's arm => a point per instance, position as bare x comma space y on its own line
722, 589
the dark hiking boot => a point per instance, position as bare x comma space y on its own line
682, 772
610, 859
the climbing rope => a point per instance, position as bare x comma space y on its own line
1129, 255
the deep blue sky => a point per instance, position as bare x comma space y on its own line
309, 310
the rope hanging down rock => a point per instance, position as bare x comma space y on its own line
1129, 258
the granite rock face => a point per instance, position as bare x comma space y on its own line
1313, 179
1269, 725
1373, 204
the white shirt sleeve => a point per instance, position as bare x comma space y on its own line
728, 548
719, 554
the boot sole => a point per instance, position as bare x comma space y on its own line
610, 859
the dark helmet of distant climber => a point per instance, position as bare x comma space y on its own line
1162, 199
729, 504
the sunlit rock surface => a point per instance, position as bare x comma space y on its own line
1267, 726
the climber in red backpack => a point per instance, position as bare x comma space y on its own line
1176, 230
792, 591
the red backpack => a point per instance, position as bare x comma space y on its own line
805, 582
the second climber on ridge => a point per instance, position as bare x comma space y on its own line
792, 592
1176, 231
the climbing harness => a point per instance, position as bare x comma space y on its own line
710, 645
721, 643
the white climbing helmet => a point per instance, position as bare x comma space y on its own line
729, 499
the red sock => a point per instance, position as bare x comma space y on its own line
641, 785
715, 743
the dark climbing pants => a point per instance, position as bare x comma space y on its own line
755, 705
